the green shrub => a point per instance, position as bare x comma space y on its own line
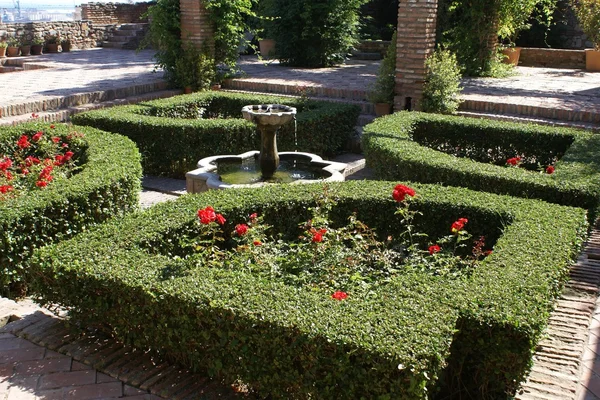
478, 333
172, 138
442, 83
588, 15
314, 33
384, 89
472, 153
107, 184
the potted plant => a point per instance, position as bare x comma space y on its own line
37, 45
66, 45
25, 46
382, 93
52, 42
3, 46
13, 47
588, 15
266, 21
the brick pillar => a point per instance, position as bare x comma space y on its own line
416, 40
195, 24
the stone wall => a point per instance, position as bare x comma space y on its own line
373, 46
114, 13
552, 58
572, 36
82, 34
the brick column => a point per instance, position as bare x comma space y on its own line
195, 24
416, 40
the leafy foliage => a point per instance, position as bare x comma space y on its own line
165, 36
473, 153
588, 15
314, 33
106, 184
442, 83
172, 138
385, 85
395, 341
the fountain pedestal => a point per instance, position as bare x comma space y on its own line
269, 157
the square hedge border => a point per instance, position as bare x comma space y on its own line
393, 153
421, 334
172, 140
107, 185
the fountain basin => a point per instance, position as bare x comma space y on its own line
296, 167
269, 114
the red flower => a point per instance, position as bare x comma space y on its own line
253, 216
434, 249
257, 243
220, 219
317, 235
23, 142
339, 295
59, 159
37, 136
34, 115
550, 169
41, 184
25, 171
487, 253
6, 188
513, 161
5, 164
8, 175
400, 192
29, 161
64, 145
45, 174
55, 139
241, 229
207, 215
68, 155
458, 226
52, 126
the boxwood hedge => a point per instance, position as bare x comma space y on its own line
172, 137
420, 334
107, 184
472, 153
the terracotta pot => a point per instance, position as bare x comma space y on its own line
25, 50
215, 86
382, 109
2, 52
36, 49
187, 90
592, 60
12, 51
66, 46
267, 48
52, 47
511, 55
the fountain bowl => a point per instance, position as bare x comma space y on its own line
269, 114
205, 177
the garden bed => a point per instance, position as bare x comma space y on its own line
43, 204
473, 153
174, 134
421, 333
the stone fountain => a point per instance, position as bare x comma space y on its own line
256, 168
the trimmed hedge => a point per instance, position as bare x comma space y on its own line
461, 151
172, 139
418, 335
107, 184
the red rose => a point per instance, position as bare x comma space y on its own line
45, 174
55, 139
31, 160
23, 142
5, 164
25, 171
220, 219
318, 235
513, 161
8, 175
37, 136
257, 243
34, 115
339, 295
550, 169
207, 215
6, 188
253, 216
51, 126
401, 191
434, 249
487, 253
41, 184
59, 159
458, 226
241, 229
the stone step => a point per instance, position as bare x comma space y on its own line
129, 33
133, 26
111, 44
62, 115
496, 107
359, 55
529, 119
258, 85
367, 108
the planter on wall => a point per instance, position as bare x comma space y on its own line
2, 52
267, 48
36, 49
511, 55
52, 47
592, 60
25, 50
12, 51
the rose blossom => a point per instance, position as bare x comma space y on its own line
513, 161
241, 229
207, 215
400, 192
434, 249
458, 226
339, 295
550, 169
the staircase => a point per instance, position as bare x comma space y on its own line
126, 36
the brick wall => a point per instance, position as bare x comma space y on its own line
114, 13
552, 58
416, 40
373, 46
82, 34
195, 24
